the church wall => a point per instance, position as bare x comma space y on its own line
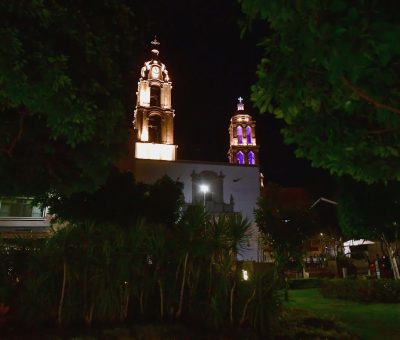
242, 182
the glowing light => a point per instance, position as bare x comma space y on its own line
245, 275
145, 135
144, 94
240, 105
204, 188
155, 71
164, 152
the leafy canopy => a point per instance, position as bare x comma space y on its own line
285, 223
120, 201
62, 72
369, 211
331, 71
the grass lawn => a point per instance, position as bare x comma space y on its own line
368, 321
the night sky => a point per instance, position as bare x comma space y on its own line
210, 67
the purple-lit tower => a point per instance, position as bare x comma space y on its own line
243, 147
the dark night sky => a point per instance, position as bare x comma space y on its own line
210, 67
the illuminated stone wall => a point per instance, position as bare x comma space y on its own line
154, 105
233, 188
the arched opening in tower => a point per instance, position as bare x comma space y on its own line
251, 158
155, 129
248, 135
239, 135
155, 94
240, 157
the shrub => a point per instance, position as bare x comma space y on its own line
300, 324
305, 283
385, 290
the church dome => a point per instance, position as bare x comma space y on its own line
154, 69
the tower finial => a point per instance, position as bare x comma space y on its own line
155, 43
240, 105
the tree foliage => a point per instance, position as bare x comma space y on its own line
62, 71
120, 201
285, 226
331, 71
372, 211
369, 211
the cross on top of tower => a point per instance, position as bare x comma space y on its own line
240, 105
155, 42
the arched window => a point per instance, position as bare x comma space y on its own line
248, 135
155, 94
155, 129
239, 135
250, 158
240, 157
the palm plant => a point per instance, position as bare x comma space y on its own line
191, 231
132, 267
156, 258
33, 282
217, 235
58, 248
238, 234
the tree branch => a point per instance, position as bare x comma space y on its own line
23, 112
367, 98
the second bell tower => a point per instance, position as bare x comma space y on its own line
243, 147
153, 123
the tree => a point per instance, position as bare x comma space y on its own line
63, 67
285, 226
164, 201
119, 201
371, 212
330, 71
238, 236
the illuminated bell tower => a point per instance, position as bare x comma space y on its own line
243, 147
153, 123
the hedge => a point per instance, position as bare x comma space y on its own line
305, 283
384, 290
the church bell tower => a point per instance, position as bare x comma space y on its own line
153, 123
242, 132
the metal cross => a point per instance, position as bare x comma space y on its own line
155, 41
240, 99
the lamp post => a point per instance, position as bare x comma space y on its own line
204, 189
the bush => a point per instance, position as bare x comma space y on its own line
385, 290
301, 324
305, 283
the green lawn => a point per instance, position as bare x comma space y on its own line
368, 321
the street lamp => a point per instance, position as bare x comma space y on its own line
204, 189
